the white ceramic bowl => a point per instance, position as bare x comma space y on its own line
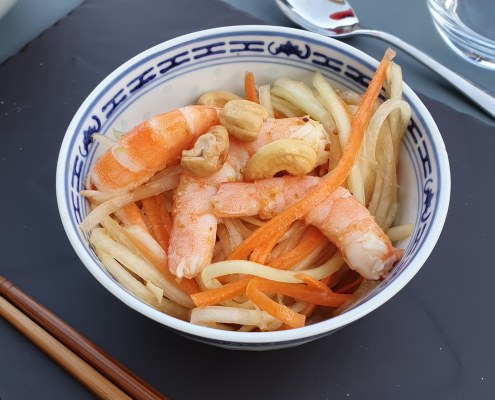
174, 73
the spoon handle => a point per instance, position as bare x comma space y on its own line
479, 96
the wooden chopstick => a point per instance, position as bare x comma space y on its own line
79, 369
21, 310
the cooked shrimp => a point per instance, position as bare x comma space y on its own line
193, 235
341, 218
266, 197
150, 147
194, 225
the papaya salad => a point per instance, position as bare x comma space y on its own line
258, 211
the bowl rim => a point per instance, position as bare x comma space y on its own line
306, 333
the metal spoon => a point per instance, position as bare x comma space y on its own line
336, 18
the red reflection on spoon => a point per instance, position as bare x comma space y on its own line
342, 14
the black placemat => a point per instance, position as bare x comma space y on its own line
434, 340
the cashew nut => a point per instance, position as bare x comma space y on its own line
243, 119
291, 155
217, 98
208, 154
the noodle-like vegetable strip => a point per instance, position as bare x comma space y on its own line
328, 185
165, 180
302, 96
213, 271
400, 232
384, 111
232, 289
232, 315
139, 266
266, 101
147, 247
286, 107
139, 235
141, 291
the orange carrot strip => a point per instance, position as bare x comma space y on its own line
309, 242
311, 307
279, 311
155, 212
336, 177
250, 88
302, 292
131, 215
315, 283
186, 284
226, 292
261, 253
347, 288
308, 294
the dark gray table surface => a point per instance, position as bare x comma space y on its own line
434, 340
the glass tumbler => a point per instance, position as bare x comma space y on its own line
468, 27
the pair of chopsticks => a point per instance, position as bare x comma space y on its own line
101, 374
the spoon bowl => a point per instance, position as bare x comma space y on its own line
326, 17
336, 18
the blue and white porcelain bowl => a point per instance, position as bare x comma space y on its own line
175, 73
